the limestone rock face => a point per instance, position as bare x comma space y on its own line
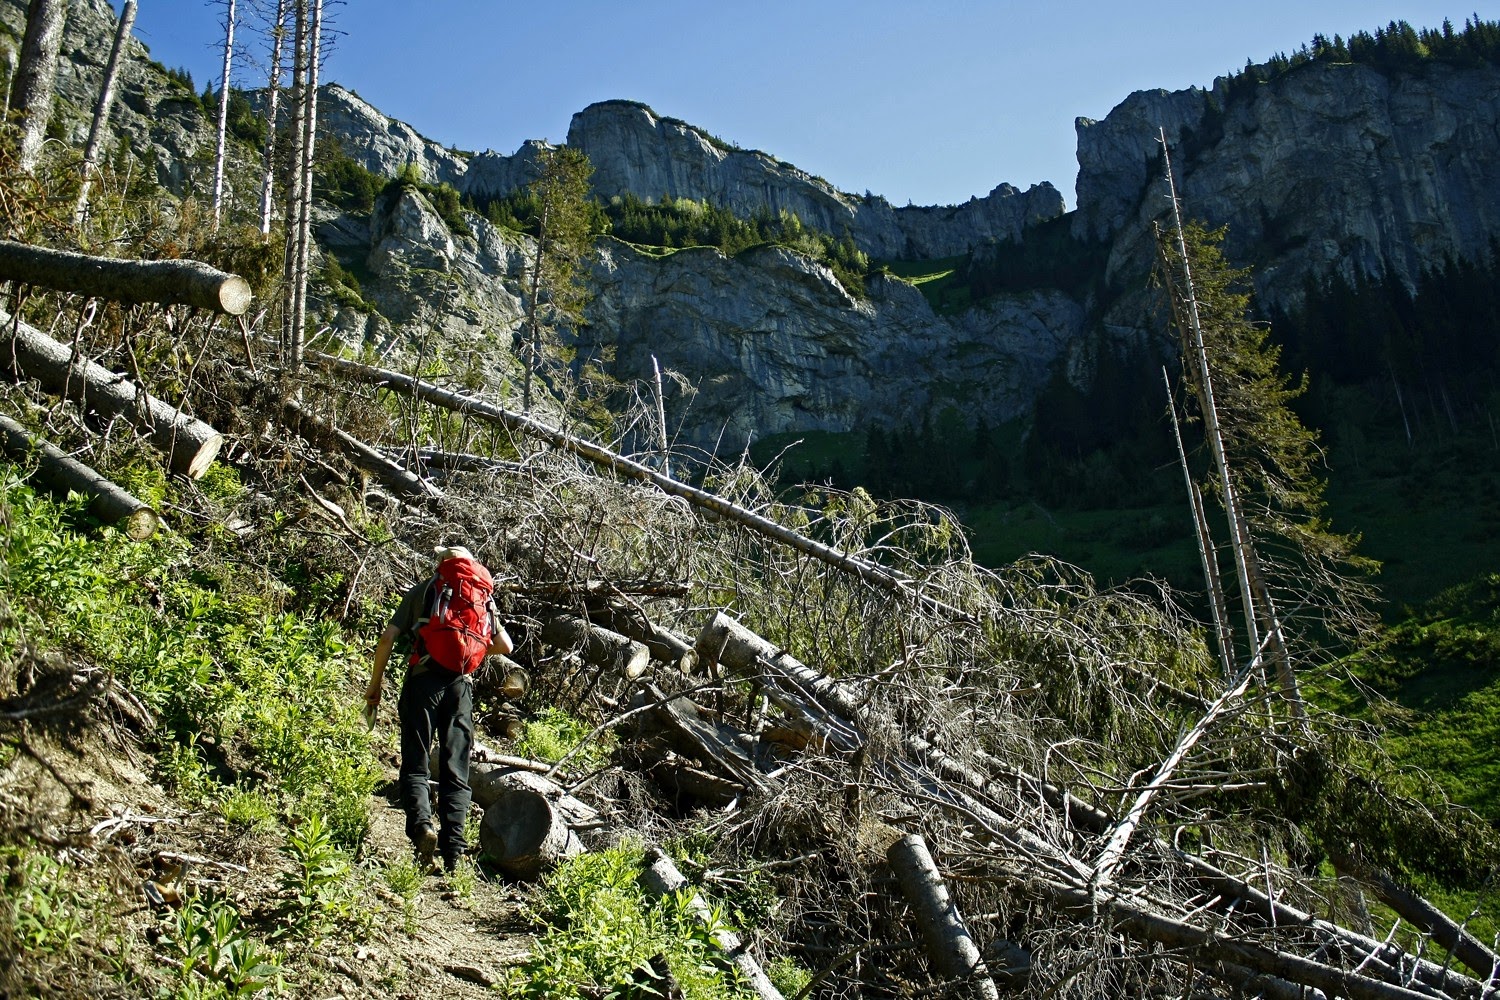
1328, 168
384, 145
774, 343
635, 151
162, 121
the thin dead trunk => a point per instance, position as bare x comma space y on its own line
181, 282
93, 150
1217, 607
61, 473
223, 125
37, 76
661, 421
534, 333
189, 444
273, 105
305, 168
294, 193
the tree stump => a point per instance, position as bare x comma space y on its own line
523, 834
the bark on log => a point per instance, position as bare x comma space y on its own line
949, 944
665, 645
1464, 946
661, 877
598, 646
726, 641
396, 479
710, 742
182, 282
189, 444
490, 782
870, 572
524, 833
60, 472
688, 780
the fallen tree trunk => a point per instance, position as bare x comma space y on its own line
60, 472
866, 570
665, 645
598, 646
949, 944
1144, 925
396, 479
189, 444
1410, 906
180, 282
661, 877
524, 833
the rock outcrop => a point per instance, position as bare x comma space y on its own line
1327, 168
635, 151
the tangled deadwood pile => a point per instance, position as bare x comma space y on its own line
937, 779
940, 769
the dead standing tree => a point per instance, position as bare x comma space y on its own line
37, 74
93, 151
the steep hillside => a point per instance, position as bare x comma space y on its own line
752, 740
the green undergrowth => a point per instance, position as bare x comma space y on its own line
252, 702
606, 936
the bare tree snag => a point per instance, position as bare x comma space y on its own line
273, 103
949, 944
189, 444
662, 878
181, 282
391, 475
517, 423
60, 472
598, 646
93, 149
223, 124
37, 74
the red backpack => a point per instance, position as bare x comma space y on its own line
458, 628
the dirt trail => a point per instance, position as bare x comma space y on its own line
96, 806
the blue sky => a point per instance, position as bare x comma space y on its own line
924, 103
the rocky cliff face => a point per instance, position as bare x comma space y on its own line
635, 151
1330, 167
772, 342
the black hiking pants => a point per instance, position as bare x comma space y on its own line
441, 703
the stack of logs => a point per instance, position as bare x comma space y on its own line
189, 445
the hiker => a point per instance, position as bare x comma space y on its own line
451, 624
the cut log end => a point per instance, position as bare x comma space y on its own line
140, 525
235, 295
192, 457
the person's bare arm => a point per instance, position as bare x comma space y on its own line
382, 654
500, 642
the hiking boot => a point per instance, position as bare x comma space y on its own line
425, 843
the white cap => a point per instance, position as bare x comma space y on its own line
445, 552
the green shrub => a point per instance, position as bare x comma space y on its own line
554, 734
606, 937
